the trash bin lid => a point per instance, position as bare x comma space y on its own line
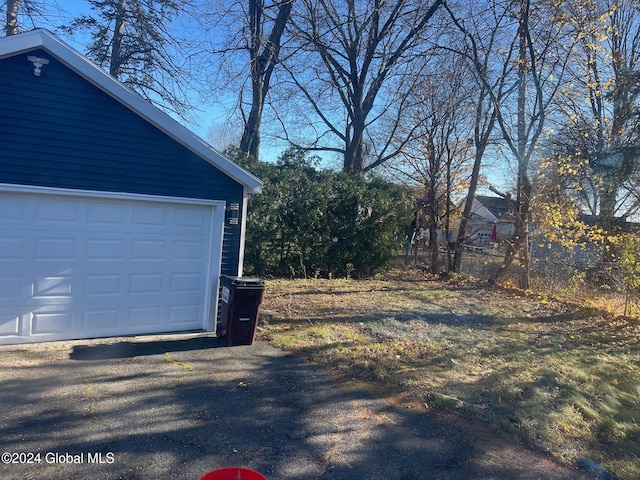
233, 473
243, 281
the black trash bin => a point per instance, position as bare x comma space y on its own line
239, 309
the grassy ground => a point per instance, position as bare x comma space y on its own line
560, 377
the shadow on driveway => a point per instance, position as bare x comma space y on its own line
128, 349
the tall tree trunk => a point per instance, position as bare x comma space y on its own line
250, 141
354, 152
115, 62
520, 243
466, 213
11, 27
447, 216
433, 228
263, 55
433, 246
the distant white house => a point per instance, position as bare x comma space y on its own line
491, 221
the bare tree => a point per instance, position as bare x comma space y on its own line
353, 67
437, 158
481, 42
242, 50
532, 63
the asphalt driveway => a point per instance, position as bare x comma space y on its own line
175, 407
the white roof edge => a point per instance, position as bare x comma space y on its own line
41, 38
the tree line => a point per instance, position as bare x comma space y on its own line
422, 92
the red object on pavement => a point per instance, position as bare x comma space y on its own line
233, 473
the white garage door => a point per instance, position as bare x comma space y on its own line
83, 265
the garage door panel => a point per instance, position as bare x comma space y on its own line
145, 317
11, 287
102, 213
12, 208
55, 248
100, 320
147, 284
149, 215
57, 211
105, 249
187, 283
12, 249
9, 325
92, 266
53, 286
103, 285
188, 250
190, 219
146, 250
46, 322
181, 315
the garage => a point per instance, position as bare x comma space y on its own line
76, 265
114, 218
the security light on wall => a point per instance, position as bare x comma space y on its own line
38, 63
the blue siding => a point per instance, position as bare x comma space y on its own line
58, 130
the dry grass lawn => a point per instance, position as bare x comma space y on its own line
563, 378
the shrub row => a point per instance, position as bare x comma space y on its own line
310, 222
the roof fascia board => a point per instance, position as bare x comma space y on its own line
41, 38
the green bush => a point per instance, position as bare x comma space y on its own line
310, 222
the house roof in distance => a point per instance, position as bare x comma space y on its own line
41, 38
496, 205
